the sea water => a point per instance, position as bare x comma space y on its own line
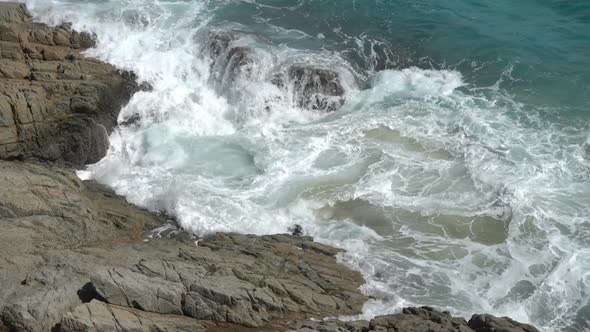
456, 174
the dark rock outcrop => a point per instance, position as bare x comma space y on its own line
229, 61
419, 320
309, 88
489, 323
317, 89
55, 105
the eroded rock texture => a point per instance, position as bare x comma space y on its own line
66, 242
55, 105
48, 216
242, 280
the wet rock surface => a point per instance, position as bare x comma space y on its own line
310, 88
317, 89
419, 320
55, 105
230, 60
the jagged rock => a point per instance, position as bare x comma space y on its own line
65, 242
419, 320
296, 230
489, 323
45, 213
310, 88
55, 105
230, 61
241, 279
218, 42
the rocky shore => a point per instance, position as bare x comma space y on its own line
74, 256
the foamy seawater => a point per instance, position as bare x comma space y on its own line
456, 174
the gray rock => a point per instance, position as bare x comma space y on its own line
311, 88
47, 214
101, 317
333, 326
419, 319
127, 288
239, 279
65, 242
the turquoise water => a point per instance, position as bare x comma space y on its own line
456, 174
542, 44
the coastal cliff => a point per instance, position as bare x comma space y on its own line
55, 105
74, 256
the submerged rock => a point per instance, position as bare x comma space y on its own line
55, 105
230, 61
132, 121
317, 89
309, 88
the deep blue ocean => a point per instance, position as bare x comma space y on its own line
456, 174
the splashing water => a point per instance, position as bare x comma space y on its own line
462, 186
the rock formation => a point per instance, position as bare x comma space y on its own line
317, 89
55, 105
310, 88
419, 320
66, 243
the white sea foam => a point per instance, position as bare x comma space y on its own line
440, 191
